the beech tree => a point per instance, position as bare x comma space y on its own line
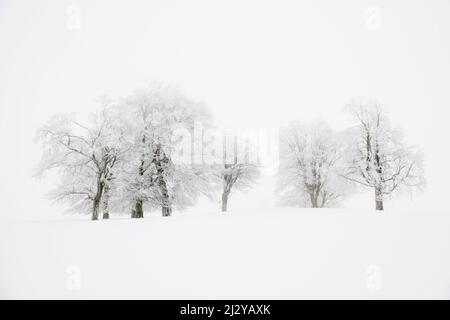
234, 168
123, 156
84, 157
310, 159
237, 176
378, 156
149, 176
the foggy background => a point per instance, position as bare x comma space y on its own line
257, 64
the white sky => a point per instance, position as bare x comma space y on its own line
256, 64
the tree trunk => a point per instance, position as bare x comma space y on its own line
224, 202
166, 211
106, 202
378, 187
161, 160
138, 211
95, 209
313, 199
166, 206
378, 199
97, 199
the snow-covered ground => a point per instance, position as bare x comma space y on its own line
287, 254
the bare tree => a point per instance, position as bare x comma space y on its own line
237, 172
237, 176
149, 177
310, 158
378, 156
84, 158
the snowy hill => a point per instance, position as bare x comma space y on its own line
285, 255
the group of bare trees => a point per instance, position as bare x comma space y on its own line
320, 167
121, 159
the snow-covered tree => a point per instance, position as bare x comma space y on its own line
84, 157
149, 176
378, 156
236, 173
310, 160
237, 176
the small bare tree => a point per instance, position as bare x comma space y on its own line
237, 172
378, 156
237, 176
310, 156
